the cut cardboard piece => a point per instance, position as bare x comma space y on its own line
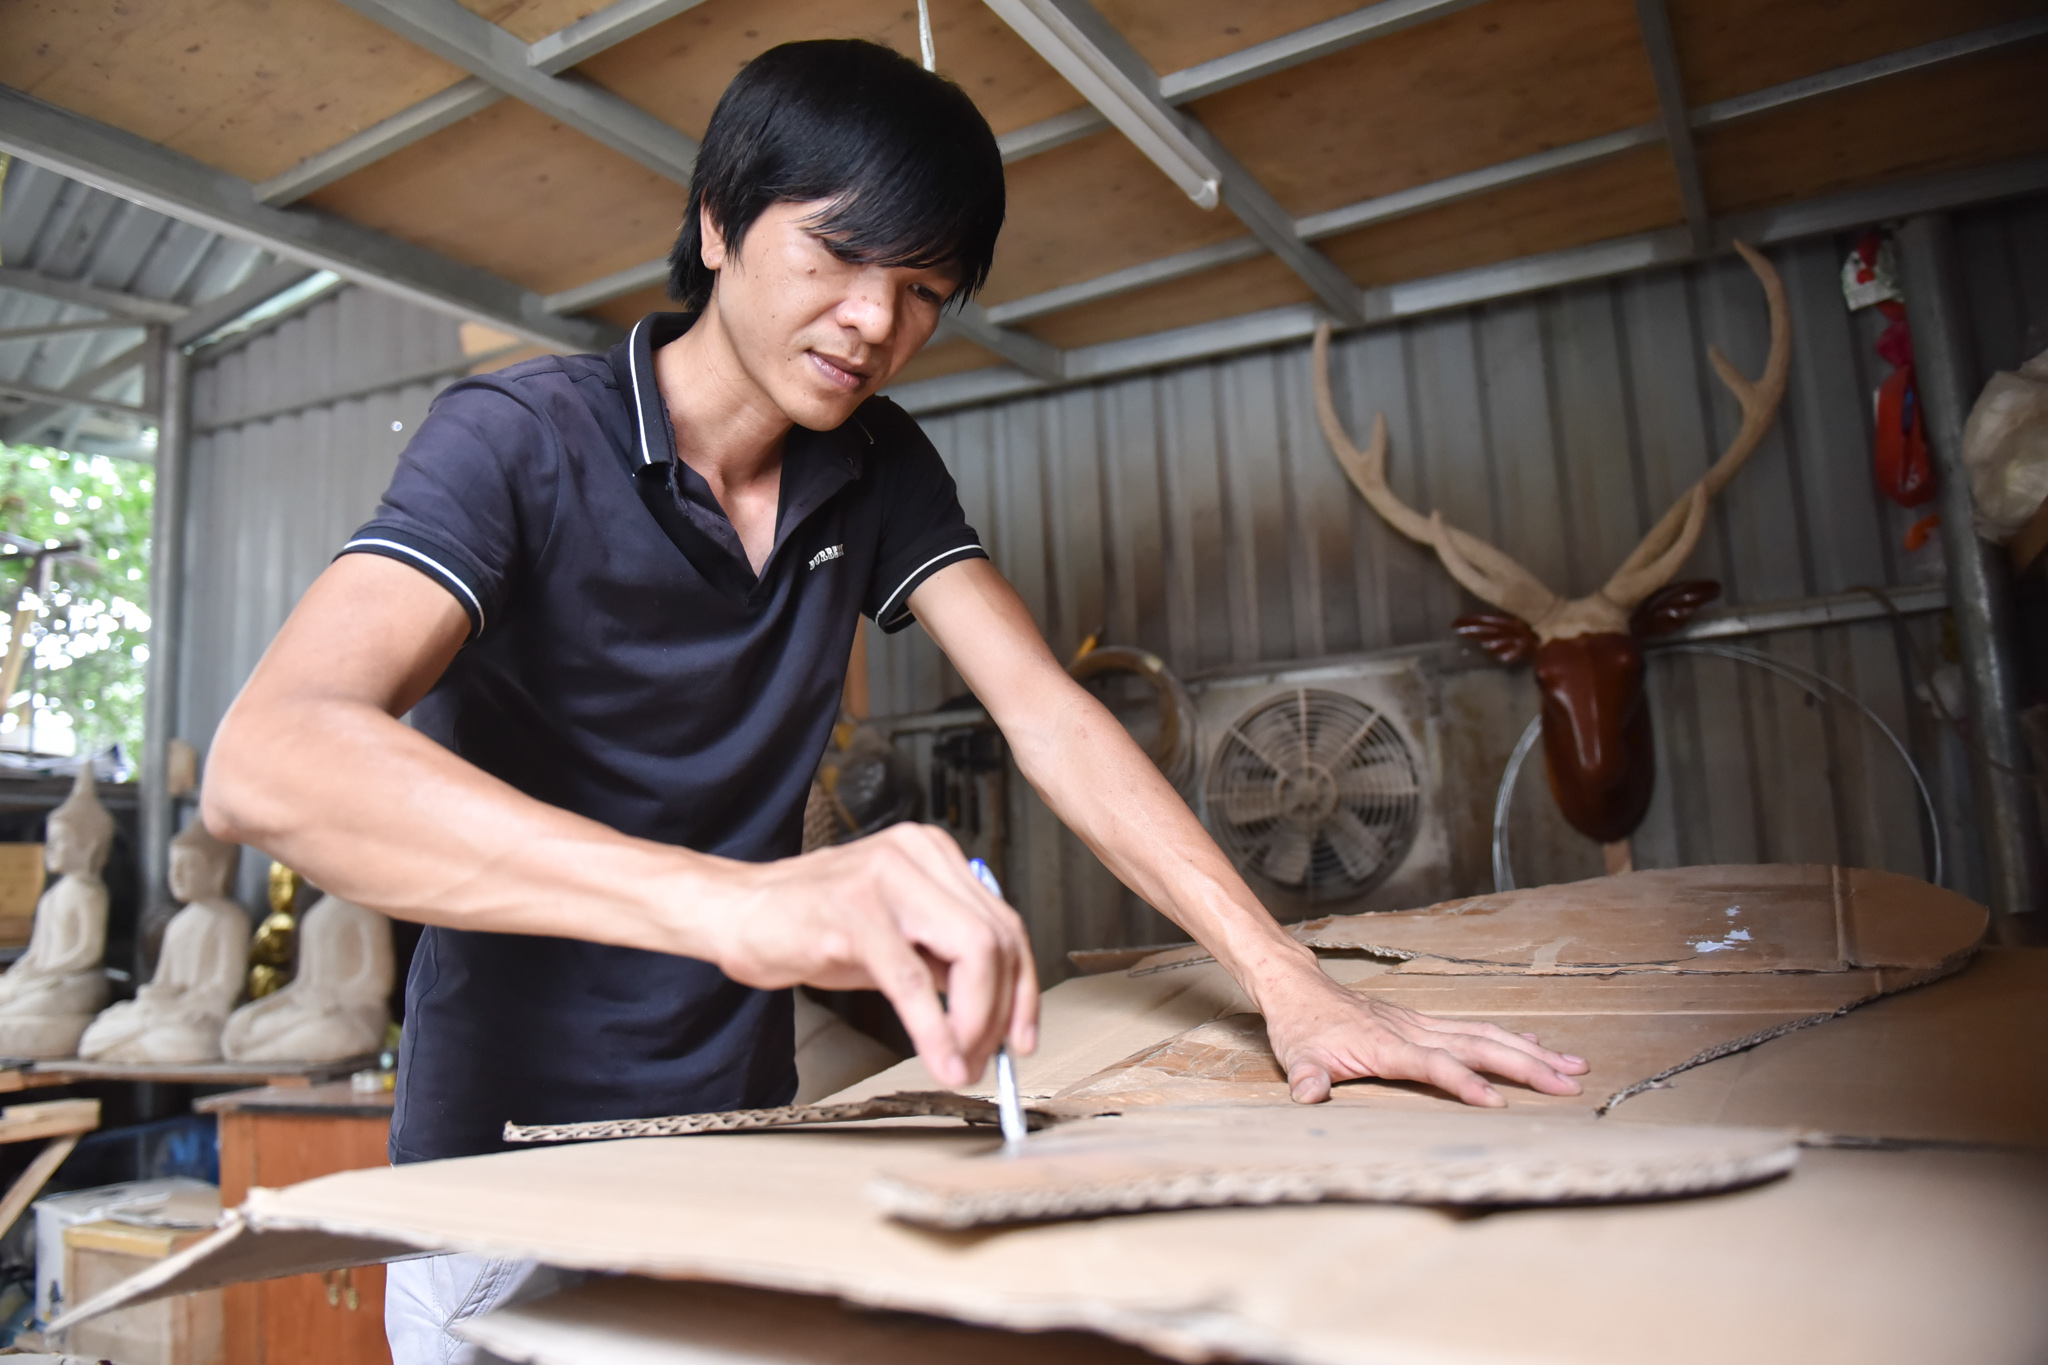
1721, 919
899, 1105
1811, 1268
1176, 1158
1962, 1061
627, 1321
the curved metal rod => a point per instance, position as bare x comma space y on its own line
1799, 675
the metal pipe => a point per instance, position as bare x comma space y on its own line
159, 816
1945, 364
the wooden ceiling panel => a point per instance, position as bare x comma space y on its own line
1735, 47
1967, 113
1246, 287
944, 358
1478, 87
1631, 193
677, 70
532, 20
1176, 36
1091, 207
250, 86
513, 192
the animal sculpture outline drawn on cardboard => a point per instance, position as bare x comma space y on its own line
52, 992
1588, 653
178, 1015
336, 1006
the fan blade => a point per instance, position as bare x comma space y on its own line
1274, 738
1286, 857
1361, 850
1377, 781
1249, 805
1338, 736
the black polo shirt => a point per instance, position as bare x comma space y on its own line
625, 663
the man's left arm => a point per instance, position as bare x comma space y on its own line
1088, 769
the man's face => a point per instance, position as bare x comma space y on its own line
817, 333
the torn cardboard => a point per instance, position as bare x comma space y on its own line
1725, 919
1195, 1157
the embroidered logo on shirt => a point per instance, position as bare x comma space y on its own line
827, 555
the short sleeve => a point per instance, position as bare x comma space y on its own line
923, 528
472, 499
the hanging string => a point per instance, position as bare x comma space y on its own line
924, 35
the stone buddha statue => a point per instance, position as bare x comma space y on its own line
54, 989
179, 1014
335, 1007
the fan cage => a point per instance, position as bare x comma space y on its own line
1315, 794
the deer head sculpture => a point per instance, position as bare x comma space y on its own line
1587, 650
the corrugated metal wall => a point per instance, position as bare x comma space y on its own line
295, 436
1197, 512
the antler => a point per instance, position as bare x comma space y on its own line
1665, 548
1486, 572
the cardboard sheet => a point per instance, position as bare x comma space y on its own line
630, 1321
1963, 1061
1874, 1257
1194, 1157
1731, 919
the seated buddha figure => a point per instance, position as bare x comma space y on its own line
178, 1016
55, 988
336, 1006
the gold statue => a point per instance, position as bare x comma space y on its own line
276, 941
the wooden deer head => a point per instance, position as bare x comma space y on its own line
1587, 650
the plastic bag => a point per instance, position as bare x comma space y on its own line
2005, 448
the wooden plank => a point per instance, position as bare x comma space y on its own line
513, 192
47, 1118
531, 20
1634, 192
37, 1174
677, 70
1733, 47
1089, 208
625, 311
1965, 113
1246, 287
1473, 89
1188, 32
209, 78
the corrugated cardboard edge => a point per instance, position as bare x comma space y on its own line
230, 1255
1715, 1053
902, 1104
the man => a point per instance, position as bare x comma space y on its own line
617, 596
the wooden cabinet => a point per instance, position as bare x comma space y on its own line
280, 1137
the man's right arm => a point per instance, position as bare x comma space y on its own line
312, 766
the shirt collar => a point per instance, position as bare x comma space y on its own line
815, 464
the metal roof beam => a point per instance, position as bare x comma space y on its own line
266, 284
480, 47
1662, 50
38, 393
1026, 352
631, 280
114, 301
380, 140
1303, 45
1161, 271
1415, 298
171, 183
50, 329
607, 28
1877, 68
1086, 49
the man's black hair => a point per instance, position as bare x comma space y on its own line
906, 162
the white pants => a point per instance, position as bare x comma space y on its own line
426, 1296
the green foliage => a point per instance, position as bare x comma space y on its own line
91, 633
